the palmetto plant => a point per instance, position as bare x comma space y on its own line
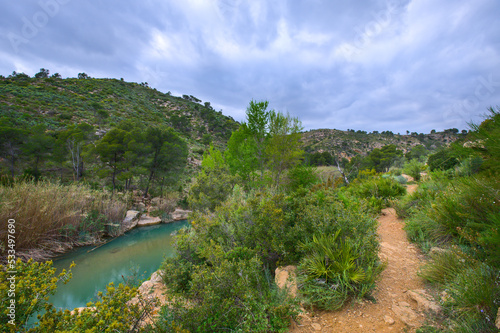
332, 260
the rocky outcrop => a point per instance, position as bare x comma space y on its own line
152, 291
130, 221
285, 277
134, 218
179, 214
424, 301
146, 220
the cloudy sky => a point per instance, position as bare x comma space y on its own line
372, 65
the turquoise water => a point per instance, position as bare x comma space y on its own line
140, 250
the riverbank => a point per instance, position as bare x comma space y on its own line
133, 219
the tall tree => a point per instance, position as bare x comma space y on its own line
73, 140
38, 146
213, 184
11, 141
257, 123
111, 150
283, 150
167, 153
241, 154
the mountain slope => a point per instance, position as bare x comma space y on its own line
104, 103
350, 143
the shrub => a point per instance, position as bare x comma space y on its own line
333, 270
472, 290
468, 211
301, 176
378, 191
413, 168
232, 292
34, 283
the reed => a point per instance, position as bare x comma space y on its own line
44, 210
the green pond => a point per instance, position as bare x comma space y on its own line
140, 251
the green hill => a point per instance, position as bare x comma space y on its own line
104, 103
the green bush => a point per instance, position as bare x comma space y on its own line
468, 211
252, 233
472, 291
234, 292
333, 270
301, 176
378, 191
413, 169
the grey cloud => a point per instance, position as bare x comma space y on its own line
381, 65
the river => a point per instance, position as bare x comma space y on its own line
140, 251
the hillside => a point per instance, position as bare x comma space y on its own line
57, 102
350, 143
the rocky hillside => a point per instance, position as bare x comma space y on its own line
350, 143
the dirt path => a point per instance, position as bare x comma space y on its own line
395, 309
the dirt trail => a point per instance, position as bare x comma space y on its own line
394, 309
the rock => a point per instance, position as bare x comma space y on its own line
405, 313
148, 220
156, 201
497, 322
424, 301
180, 214
388, 320
140, 206
285, 277
152, 290
157, 276
130, 220
316, 327
131, 215
408, 178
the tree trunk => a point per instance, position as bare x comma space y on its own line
342, 172
149, 181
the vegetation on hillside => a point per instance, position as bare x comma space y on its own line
347, 144
455, 217
89, 129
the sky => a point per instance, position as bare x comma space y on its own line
375, 65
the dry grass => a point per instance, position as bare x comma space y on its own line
42, 209
325, 172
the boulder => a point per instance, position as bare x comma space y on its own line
180, 214
130, 220
285, 277
152, 290
146, 220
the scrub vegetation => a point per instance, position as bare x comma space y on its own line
262, 198
455, 216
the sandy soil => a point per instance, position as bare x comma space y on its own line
394, 310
